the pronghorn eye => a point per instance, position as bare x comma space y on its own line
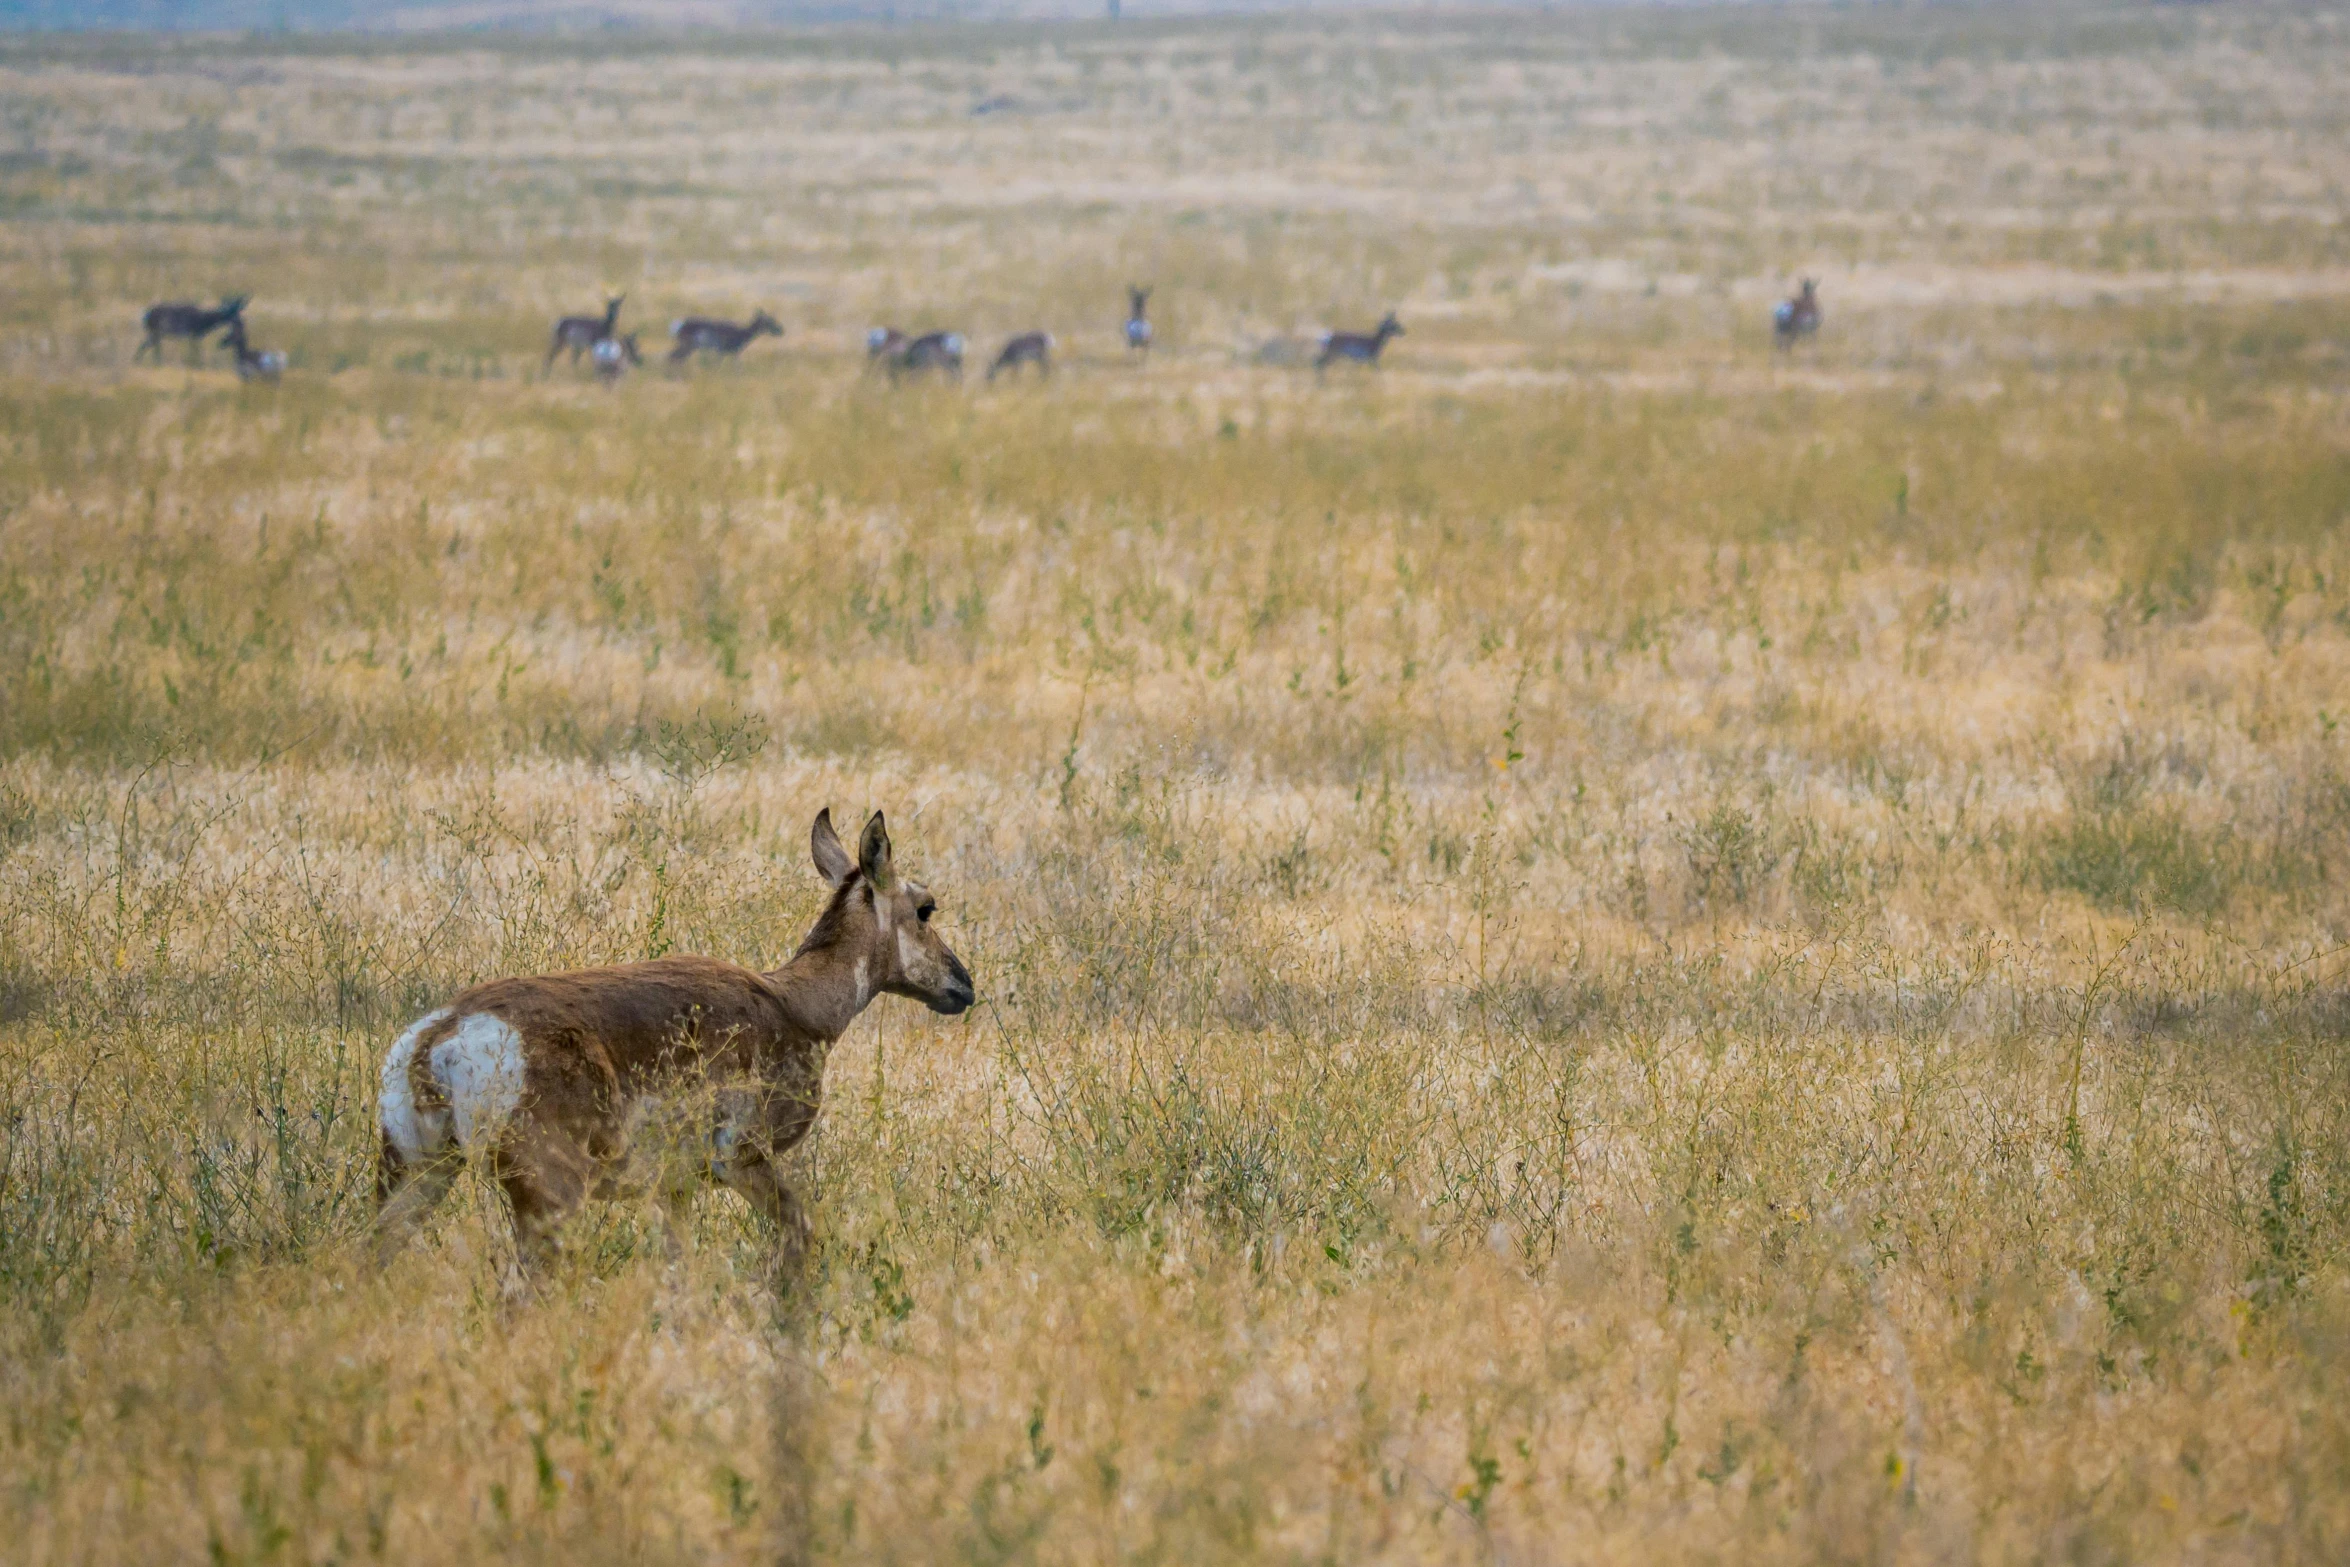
927, 909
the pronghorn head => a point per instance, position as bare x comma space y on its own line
884, 920
612, 311
1811, 287
1390, 327
763, 322
233, 306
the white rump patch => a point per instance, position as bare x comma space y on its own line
480, 1068
396, 1105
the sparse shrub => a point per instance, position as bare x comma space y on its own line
1732, 852
2135, 857
2124, 851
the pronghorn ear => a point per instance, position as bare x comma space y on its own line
873, 855
832, 861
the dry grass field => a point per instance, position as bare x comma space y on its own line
1600, 945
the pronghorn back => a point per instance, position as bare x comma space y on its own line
1360, 347
1029, 348
940, 351
698, 334
190, 321
583, 1041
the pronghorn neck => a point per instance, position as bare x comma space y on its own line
824, 991
837, 971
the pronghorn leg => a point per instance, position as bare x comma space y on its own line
544, 1175
538, 1216
762, 1186
677, 1218
411, 1196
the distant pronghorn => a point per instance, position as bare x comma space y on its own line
253, 364
1029, 348
699, 334
1138, 325
582, 333
883, 344
940, 351
1361, 347
1798, 317
613, 356
193, 322
547, 1082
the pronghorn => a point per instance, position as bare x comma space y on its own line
1138, 325
940, 351
1029, 348
1798, 317
547, 1081
883, 344
695, 334
253, 364
583, 333
1361, 347
613, 356
193, 322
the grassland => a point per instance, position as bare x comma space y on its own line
1600, 946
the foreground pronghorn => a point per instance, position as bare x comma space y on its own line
1361, 347
1138, 324
695, 334
1798, 317
1029, 348
193, 322
547, 1081
253, 364
581, 334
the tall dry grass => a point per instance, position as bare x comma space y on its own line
1600, 946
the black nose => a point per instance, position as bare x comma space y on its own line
960, 991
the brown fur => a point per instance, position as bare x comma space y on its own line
601, 1045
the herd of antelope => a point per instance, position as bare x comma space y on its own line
612, 353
